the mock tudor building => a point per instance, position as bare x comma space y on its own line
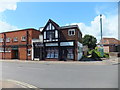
59, 43
17, 44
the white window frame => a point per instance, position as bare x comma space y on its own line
1, 39
15, 39
71, 30
7, 39
23, 38
29, 54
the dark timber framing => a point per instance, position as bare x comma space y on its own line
58, 45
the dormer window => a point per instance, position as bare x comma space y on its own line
71, 32
15, 39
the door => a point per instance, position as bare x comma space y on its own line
64, 54
14, 54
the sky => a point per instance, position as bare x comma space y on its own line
20, 15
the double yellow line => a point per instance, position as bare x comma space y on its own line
22, 84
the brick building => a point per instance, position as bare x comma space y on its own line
110, 44
59, 43
17, 44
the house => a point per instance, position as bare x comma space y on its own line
17, 44
110, 44
59, 43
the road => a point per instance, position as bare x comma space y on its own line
63, 75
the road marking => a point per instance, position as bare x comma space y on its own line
22, 84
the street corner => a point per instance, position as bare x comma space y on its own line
15, 84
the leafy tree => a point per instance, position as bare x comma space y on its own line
90, 41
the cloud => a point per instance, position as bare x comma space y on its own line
4, 26
8, 5
110, 27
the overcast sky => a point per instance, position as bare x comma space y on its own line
19, 15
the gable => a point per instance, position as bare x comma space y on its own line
51, 25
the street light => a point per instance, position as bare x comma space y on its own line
101, 27
101, 44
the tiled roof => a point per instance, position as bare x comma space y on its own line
110, 41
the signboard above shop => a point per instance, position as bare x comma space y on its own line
67, 43
38, 44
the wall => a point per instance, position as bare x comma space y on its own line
64, 35
106, 48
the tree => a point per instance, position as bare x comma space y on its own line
90, 41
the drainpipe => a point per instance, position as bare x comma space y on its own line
4, 45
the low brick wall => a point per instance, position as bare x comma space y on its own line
114, 54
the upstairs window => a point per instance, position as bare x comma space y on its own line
50, 35
1, 39
7, 39
71, 32
15, 39
50, 27
23, 38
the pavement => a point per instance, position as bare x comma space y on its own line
112, 60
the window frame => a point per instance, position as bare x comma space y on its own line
8, 39
70, 32
23, 39
29, 50
1, 40
15, 39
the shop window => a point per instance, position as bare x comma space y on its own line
52, 53
70, 54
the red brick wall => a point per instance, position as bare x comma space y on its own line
32, 34
22, 53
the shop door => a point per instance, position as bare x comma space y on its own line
64, 54
15, 54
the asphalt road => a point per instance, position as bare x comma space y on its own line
51, 75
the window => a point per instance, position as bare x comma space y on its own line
50, 35
15, 39
56, 33
50, 27
29, 52
7, 39
52, 53
104, 41
71, 32
23, 38
44, 35
1, 49
70, 54
1, 39
6, 49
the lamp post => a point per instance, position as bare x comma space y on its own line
101, 50
101, 27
